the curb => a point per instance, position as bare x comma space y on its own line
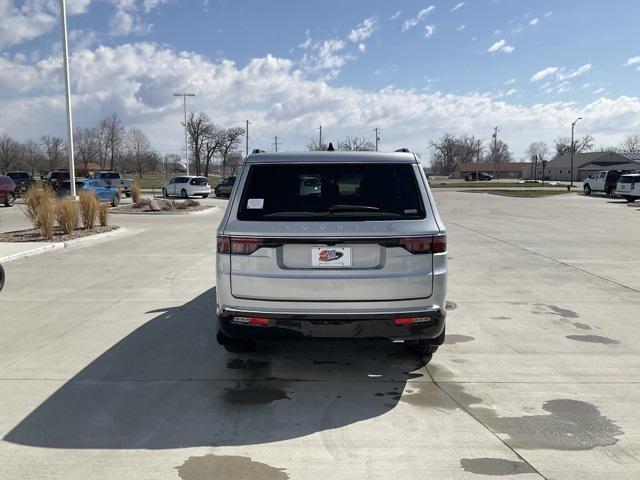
60, 245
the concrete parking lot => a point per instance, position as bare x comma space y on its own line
109, 366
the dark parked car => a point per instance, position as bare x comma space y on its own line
478, 176
22, 180
7, 191
56, 178
223, 189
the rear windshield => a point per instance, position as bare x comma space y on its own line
17, 175
626, 179
324, 192
198, 181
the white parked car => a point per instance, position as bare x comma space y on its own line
187, 186
628, 187
603, 181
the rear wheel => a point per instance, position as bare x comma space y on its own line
183, 193
205, 195
9, 200
1, 277
630, 199
164, 193
587, 189
115, 201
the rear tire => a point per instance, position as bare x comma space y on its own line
587, 190
9, 200
1, 277
630, 199
164, 193
205, 195
183, 194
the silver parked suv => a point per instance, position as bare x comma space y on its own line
332, 244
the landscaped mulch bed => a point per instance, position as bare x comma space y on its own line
34, 235
161, 207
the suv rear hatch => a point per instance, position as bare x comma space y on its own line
332, 232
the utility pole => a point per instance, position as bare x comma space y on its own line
67, 92
276, 143
573, 148
320, 141
186, 141
496, 160
246, 140
377, 138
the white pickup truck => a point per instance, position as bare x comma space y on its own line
628, 187
603, 181
114, 180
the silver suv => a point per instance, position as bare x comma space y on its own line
332, 244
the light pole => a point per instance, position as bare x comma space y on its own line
573, 147
67, 92
186, 143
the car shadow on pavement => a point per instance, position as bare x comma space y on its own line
168, 384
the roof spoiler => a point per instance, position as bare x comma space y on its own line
403, 150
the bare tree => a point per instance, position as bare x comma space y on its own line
581, 145
138, 149
444, 154
87, 146
113, 136
199, 127
499, 153
353, 144
214, 141
8, 152
234, 160
469, 149
33, 157
231, 139
53, 149
538, 152
314, 146
631, 144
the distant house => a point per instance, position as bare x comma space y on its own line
505, 170
584, 164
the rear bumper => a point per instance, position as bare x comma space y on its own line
334, 324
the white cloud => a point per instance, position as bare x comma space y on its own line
497, 32
548, 14
461, 27
501, 46
363, 30
511, 81
542, 74
325, 58
137, 82
362, 47
599, 90
412, 22
149, 5
395, 15
534, 22
458, 6
429, 30
574, 73
632, 61
22, 21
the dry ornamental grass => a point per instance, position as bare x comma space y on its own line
88, 209
103, 214
67, 215
135, 192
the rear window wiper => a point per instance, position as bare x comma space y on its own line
352, 208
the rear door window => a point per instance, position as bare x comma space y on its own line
331, 192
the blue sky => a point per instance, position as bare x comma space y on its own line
414, 69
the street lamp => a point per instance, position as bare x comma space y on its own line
573, 146
67, 92
186, 144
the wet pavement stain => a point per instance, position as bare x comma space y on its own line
500, 317
593, 339
239, 364
581, 326
497, 467
451, 305
563, 313
254, 395
224, 467
454, 339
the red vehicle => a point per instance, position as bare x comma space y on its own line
7, 191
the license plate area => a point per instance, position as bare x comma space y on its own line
331, 257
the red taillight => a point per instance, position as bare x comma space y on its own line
252, 321
421, 245
239, 246
224, 245
402, 322
245, 246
